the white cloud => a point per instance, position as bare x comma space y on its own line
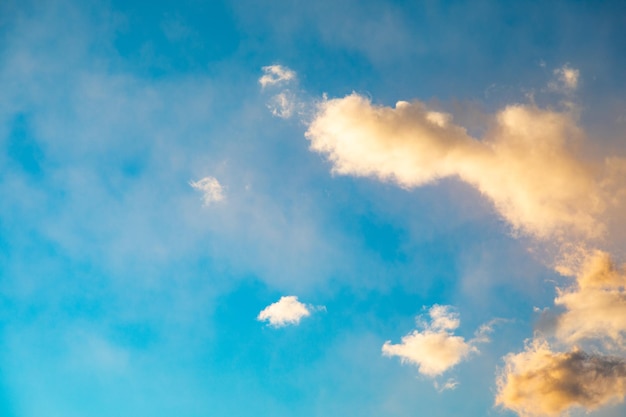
449, 385
435, 349
276, 74
539, 382
286, 311
212, 190
567, 79
595, 307
283, 104
526, 164
443, 318
529, 164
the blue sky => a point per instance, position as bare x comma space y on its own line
454, 254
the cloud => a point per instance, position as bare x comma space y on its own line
212, 190
540, 382
595, 307
449, 385
276, 74
282, 104
526, 164
530, 165
286, 311
567, 79
285, 103
435, 349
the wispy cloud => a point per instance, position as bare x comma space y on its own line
282, 104
435, 348
566, 79
285, 103
212, 190
275, 75
286, 311
449, 385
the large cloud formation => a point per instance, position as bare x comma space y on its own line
530, 164
540, 382
526, 164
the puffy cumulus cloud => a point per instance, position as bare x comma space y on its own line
526, 164
530, 166
435, 349
212, 190
286, 311
595, 307
539, 382
276, 74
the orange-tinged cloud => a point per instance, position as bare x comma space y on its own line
529, 165
540, 383
526, 164
595, 308
435, 349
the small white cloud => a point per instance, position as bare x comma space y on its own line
450, 384
212, 190
435, 349
282, 105
567, 79
286, 311
276, 74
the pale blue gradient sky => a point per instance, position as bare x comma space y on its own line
122, 295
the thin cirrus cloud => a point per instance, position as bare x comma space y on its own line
286, 311
211, 189
529, 166
435, 349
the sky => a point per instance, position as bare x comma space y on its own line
282, 208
